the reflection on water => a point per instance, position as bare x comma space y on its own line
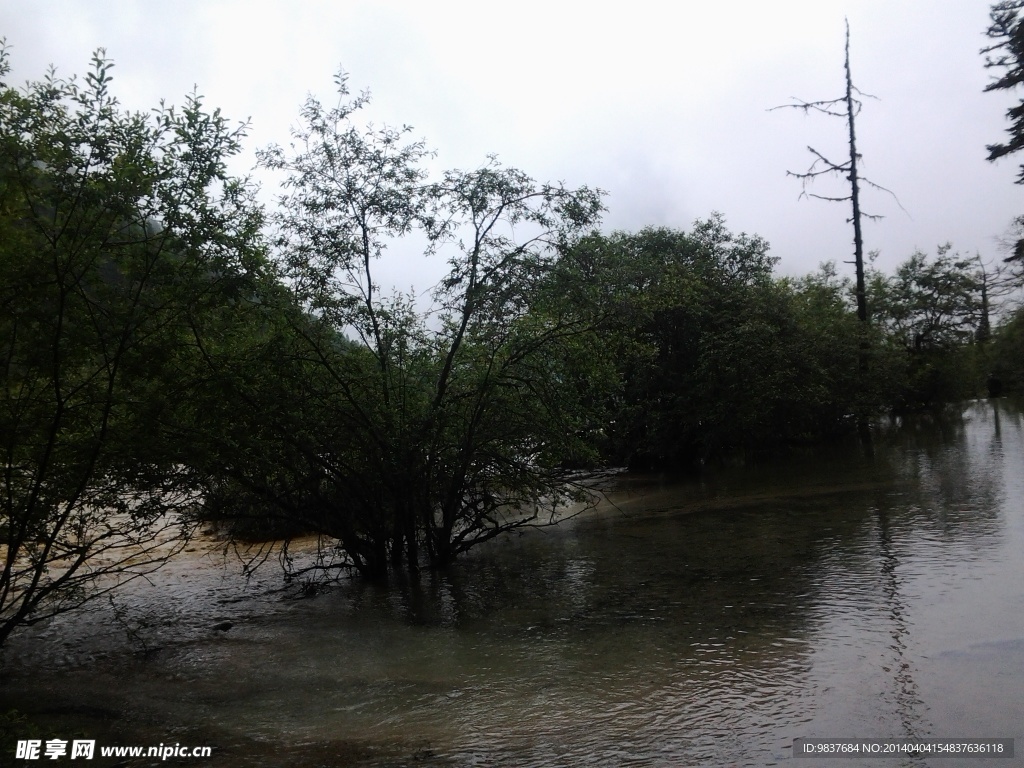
681, 624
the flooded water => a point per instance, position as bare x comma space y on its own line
697, 623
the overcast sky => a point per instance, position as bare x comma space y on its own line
664, 105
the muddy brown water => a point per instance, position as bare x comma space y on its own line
705, 622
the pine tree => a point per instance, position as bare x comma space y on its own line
1007, 53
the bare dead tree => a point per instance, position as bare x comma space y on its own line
846, 107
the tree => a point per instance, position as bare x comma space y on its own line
1007, 53
846, 107
714, 357
699, 397
1012, 243
932, 309
931, 303
119, 232
1007, 356
436, 428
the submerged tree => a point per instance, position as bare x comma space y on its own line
435, 428
714, 358
117, 230
932, 309
1007, 355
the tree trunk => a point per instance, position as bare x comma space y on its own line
863, 424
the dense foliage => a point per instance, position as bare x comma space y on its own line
712, 354
1005, 358
171, 355
931, 311
409, 433
120, 236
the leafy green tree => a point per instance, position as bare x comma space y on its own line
714, 356
828, 340
932, 309
432, 428
118, 232
713, 340
1006, 363
931, 303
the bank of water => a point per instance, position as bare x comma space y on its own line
704, 622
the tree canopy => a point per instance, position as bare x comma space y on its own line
171, 354
116, 230
419, 432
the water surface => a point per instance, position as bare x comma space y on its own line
703, 622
